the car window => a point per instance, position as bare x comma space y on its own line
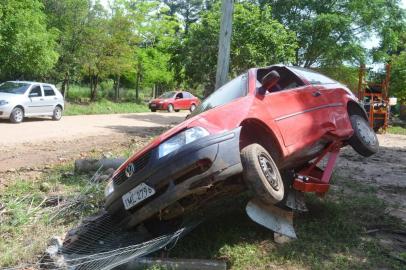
312, 76
179, 95
167, 95
36, 90
230, 91
14, 87
187, 95
48, 91
288, 79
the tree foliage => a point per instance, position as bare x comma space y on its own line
27, 46
257, 40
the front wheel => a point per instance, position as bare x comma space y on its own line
17, 115
261, 174
153, 110
364, 140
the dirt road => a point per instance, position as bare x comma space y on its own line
38, 142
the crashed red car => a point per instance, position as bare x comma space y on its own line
174, 101
260, 125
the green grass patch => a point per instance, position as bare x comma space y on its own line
28, 221
332, 235
104, 107
397, 130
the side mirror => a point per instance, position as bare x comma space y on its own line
177, 97
33, 94
270, 80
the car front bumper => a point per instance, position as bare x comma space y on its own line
5, 111
189, 170
157, 106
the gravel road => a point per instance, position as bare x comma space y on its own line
42, 142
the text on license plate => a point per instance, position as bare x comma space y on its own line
137, 195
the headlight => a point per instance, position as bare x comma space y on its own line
3, 102
109, 188
181, 139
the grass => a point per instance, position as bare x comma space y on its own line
397, 130
332, 235
27, 222
104, 107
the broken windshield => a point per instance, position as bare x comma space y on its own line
230, 91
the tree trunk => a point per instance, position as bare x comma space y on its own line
95, 83
117, 88
137, 83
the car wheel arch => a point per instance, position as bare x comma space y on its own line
260, 130
354, 108
21, 107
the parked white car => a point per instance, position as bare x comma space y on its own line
19, 99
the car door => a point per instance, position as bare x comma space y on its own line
187, 99
50, 99
179, 101
36, 102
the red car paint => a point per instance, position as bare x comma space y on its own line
300, 120
180, 100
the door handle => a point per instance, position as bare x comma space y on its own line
41, 99
316, 94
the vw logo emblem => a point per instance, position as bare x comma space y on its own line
129, 171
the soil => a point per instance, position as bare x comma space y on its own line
385, 171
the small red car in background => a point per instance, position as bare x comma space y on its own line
174, 101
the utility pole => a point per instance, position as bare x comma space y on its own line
223, 59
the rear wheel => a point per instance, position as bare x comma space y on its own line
170, 108
17, 115
261, 174
364, 141
57, 115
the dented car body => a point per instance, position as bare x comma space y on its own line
260, 125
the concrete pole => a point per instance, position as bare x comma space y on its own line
223, 59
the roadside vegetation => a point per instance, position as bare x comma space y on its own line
397, 130
341, 231
104, 107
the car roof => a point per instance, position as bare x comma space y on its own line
30, 82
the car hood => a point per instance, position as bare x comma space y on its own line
197, 120
7, 96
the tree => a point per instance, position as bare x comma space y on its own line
70, 18
27, 47
398, 77
258, 40
330, 32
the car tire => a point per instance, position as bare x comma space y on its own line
192, 108
364, 140
153, 110
17, 115
57, 114
170, 108
261, 174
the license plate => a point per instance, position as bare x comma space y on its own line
153, 105
137, 195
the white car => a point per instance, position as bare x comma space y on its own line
19, 99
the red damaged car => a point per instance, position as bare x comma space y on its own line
174, 101
250, 133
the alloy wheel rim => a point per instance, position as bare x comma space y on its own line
18, 115
58, 113
268, 171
